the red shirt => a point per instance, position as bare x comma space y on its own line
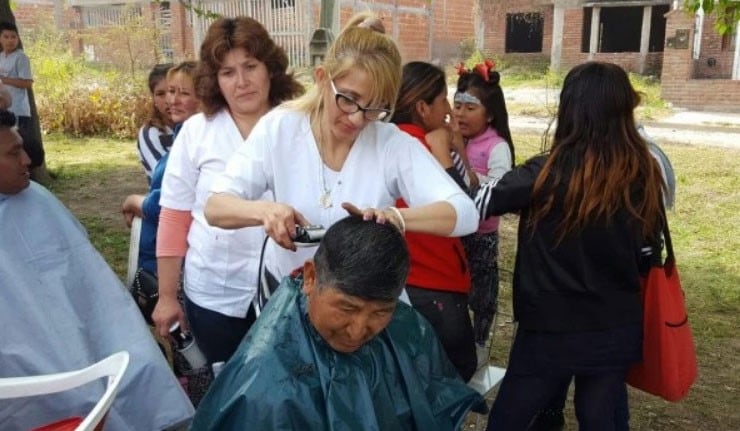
437, 262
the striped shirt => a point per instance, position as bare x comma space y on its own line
153, 143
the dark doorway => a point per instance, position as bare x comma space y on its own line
524, 32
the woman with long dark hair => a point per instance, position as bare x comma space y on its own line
439, 279
588, 209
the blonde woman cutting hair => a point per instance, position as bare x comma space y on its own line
330, 152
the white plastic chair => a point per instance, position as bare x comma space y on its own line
113, 367
133, 251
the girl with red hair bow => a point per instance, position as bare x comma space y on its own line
480, 111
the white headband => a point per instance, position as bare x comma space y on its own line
466, 98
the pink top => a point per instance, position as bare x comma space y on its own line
479, 151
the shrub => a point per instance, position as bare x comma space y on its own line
80, 98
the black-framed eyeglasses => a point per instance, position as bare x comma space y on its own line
348, 105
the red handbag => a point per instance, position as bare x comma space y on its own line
668, 367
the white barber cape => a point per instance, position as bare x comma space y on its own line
62, 309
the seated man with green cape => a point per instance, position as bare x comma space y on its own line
335, 350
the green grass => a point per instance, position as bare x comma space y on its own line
94, 176
80, 157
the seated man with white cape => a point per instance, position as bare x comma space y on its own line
335, 350
63, 309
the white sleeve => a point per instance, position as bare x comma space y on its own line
248, 172
466, 214
499, 161
181, 174
421, 181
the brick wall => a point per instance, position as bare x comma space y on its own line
715, 60
182, 33
572, 55
455, 21
424, 30
572, 37
678, 85
29, 16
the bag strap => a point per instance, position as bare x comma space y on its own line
666, 234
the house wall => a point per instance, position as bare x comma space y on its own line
424, 30
31, 15
680, 86
495, 12
572, 55
182, 33
455, 22
715, 61
572, 35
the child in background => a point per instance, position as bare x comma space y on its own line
15, 74
183, 103
155, 136
480, 111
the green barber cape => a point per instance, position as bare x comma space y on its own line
285, 377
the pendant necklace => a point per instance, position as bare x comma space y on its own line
325, 198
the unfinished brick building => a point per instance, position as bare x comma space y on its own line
698, 67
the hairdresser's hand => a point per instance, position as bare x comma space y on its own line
166, 313
279, 221
380, 216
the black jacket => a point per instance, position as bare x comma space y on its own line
588, 281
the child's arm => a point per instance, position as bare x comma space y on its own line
5, 98
499, 162
21, 76
17, 82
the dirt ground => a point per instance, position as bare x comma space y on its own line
96, 201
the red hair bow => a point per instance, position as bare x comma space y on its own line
461, 70
483, 68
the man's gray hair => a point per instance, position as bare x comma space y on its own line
363, 259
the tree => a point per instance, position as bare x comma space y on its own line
726, 11
40, 173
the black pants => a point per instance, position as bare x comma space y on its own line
621, 412
31, 142
217, 335
449, 316
542, 364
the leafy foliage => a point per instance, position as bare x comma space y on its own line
726, 11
